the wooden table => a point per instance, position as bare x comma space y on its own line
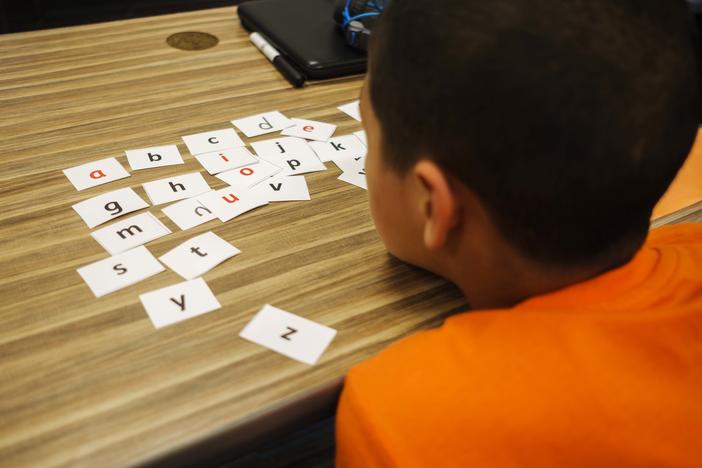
90, 382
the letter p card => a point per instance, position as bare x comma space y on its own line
288, 334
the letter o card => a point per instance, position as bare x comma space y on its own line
260, 124
95, 173
110, 205
248, 176
310, 130
156, 156
288, 334
179, 302
214, 140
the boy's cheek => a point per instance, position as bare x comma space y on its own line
392, 223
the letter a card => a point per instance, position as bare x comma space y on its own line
288, 334
95, 173
179, 302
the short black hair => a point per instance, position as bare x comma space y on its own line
568, 119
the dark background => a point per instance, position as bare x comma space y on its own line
27, 15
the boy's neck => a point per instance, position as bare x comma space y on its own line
502, 278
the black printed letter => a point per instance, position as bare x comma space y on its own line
180, 304
119, 269
290, 331
128, 230
196, 250
174, 187
265, 125
113, 207
197, 212
293, 163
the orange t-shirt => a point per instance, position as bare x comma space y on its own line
604, 373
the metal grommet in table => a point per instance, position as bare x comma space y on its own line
192, 40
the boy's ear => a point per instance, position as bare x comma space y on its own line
438, 203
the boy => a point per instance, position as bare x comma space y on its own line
517, 148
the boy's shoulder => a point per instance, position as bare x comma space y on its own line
486, 379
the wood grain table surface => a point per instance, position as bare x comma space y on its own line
90, 382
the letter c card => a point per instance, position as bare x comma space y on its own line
215, 140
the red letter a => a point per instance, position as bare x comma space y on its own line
97, 174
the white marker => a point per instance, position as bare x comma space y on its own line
281, 63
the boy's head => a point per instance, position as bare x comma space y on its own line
543, 128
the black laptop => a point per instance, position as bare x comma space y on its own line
305, 32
